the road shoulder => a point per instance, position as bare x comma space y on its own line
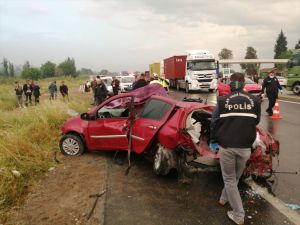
63, 196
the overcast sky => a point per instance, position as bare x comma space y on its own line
131, 34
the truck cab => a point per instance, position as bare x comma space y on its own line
200, 71
293, 81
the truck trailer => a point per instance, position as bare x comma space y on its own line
154, 68
194, 71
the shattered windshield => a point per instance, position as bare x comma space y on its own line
201, 65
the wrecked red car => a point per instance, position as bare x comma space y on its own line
250, 86
147, 120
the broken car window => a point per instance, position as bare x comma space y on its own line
155, 110
118, 108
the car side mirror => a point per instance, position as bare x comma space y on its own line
85, 116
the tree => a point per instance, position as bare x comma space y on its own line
297, 46
280, 46
31, 73
284, 55
11, 69
104, 72
48, 69
5, 67
59, 72
86, 71
225, 54
68, 67
26, 65
250, 69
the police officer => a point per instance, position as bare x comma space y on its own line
271, 84
233, 131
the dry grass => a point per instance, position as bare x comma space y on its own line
29, 137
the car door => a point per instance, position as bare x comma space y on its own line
107, 131
147, 124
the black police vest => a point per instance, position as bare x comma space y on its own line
236, 127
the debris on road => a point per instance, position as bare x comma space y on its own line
51, 169
16, 173
95, 203
293, 206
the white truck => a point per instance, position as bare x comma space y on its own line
194, 71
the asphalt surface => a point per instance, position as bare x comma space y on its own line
144, 198
147, 199
287, 131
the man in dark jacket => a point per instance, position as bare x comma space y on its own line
36, 93
63, 89
27, 88
100, 92
233, 130
141, 82
271, 84
115, 85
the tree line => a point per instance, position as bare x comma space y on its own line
280, 49
48, 69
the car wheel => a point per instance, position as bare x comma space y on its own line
296, 89
71, 144
187, 90
160, 164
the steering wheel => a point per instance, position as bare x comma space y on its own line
104, 115
107, 115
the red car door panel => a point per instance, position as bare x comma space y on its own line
108, 134
154, 115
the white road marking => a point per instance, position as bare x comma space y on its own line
275, 202
298, 103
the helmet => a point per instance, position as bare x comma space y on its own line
155, 76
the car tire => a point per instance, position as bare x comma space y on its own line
296, 88
71, 145
187, 90
160, 162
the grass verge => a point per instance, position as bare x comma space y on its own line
29, 137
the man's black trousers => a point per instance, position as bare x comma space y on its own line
272, 99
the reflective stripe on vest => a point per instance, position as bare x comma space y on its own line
238, 114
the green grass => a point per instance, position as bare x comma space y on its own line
29, 136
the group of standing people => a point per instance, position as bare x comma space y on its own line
143, 80
29, 89
32, 89
63, 89
100, 92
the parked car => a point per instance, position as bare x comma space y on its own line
282, 80
107, 81
250, 87
173, 133
126, 82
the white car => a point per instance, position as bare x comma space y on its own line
125, 82
107, 81
282, 80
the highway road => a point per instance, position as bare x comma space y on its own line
287, 131
144, 198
